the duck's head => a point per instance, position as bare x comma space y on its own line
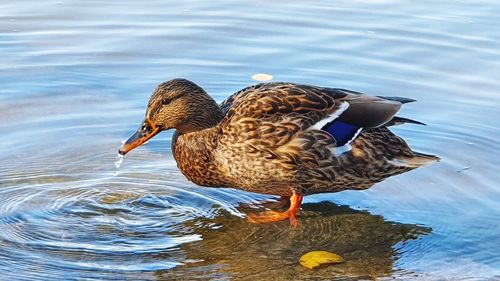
176, 104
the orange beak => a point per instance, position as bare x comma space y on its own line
144, 133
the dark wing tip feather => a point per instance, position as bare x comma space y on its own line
401, 120
369, 112
399, 99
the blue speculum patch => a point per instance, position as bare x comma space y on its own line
341, 131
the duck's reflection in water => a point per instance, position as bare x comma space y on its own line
234, 249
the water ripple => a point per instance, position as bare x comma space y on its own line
75, 78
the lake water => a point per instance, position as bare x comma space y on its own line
75, 78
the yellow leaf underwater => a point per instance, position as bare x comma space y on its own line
316, 258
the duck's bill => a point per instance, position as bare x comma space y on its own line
145, 132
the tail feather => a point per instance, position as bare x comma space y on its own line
419, 159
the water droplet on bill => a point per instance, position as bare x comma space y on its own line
119, 160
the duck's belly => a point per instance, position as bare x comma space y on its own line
269, 188
252, 182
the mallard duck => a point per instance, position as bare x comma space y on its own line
283, 139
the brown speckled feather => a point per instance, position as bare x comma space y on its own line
269, 140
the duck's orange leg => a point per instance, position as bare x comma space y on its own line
273, 216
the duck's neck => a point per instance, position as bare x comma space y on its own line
209, 114
193, 145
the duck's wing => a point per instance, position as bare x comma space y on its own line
285, 120
314, 106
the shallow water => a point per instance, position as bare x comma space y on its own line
76, 76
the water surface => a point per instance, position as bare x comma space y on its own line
76, 76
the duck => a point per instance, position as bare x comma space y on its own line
277, 138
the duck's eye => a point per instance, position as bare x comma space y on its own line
165, 101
